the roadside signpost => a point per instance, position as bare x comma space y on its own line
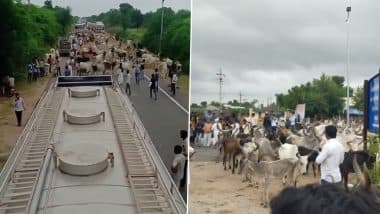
371, 107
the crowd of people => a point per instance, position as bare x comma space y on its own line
206, 130
38, 68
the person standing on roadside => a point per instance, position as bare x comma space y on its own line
185, 148
330, 157
174, 82
57, 68
137, 74
29, 69
207, 131
50, 62
19, 107
178, 165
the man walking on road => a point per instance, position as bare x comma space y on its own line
127, 80
19, 107
137, 74
157, 76
152, 86
331, 156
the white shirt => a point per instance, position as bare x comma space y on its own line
331, 156
236, 129
190, 150
216, 127
293, 120
252, 120
19, 104
274, 122
70, 69
174, 79
180, 160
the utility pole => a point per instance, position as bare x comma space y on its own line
162, 27
221, 80
348, 10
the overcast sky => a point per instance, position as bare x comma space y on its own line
93, 7
267, 46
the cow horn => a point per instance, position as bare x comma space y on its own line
298, 155
357, 170
367, 180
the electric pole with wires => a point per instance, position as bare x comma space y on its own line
221, 80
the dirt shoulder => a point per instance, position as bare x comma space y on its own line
9, 131
213, 190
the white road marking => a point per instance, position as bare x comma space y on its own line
170, 97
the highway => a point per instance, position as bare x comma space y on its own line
162, 118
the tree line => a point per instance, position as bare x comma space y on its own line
28, 31
128, 22
323, 96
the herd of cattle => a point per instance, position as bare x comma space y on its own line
101, 53
289, 154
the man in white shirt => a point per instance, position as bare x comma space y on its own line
331, 156
178, 165
127, 80
216, 128
174, 82
236, 129
292, 121
19, 107
252, 120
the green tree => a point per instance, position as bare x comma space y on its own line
125, 10
48, 4
27, 31
323, 96
176, 34
194, 105
358, 98
204, 104
64, 18
136, 18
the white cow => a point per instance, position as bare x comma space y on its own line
287, 150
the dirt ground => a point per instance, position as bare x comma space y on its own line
9, 131
213, 190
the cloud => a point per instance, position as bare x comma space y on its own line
266, 47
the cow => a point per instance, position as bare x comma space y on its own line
347, 166
286, 168
311, 156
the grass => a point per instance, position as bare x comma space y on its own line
373, 148
136, 34
183, 83
30, 92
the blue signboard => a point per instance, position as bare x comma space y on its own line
373, 104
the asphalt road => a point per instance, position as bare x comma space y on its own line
162, 118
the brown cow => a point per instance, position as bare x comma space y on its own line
231, 148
